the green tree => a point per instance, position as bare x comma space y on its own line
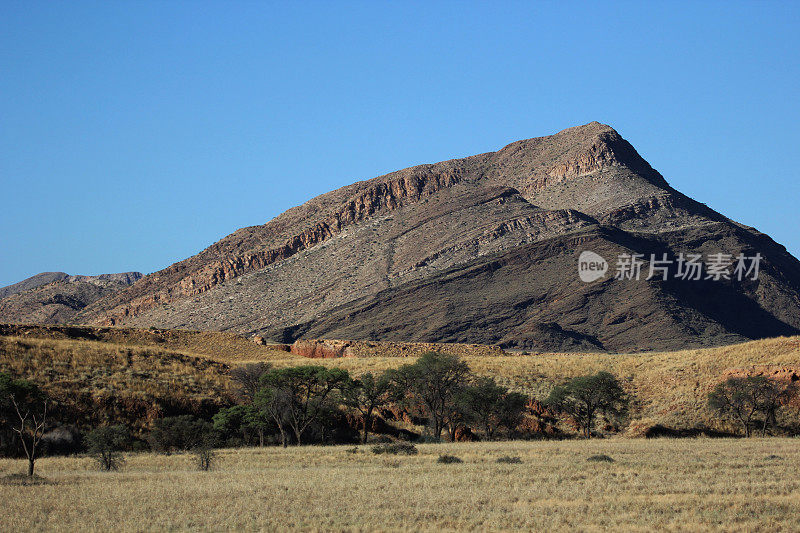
432, 384
365, 395
490, 406
510, 411
23, 407
105, 445
242, 420
480, 402
299, 396
584, 397
274, 402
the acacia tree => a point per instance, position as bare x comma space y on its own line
300, 395
25, 410
480, 401
742, 398
244, 420
510, 411
776, 395
584, 397
274, 402
432, 383
365, 395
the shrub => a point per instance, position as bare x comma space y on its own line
179, 433
397, 448
600, 459
205, 457
509, 460
104, 445
448, 459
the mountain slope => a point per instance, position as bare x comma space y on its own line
480, 249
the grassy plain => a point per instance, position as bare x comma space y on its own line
664, 484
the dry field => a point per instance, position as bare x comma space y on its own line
663, 484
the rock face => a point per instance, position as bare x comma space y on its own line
56, 297
479, 250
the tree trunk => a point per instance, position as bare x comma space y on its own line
30, 466
367, 422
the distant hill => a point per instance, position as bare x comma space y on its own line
32, 282
56, 297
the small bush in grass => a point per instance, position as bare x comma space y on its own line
104, 445
509, 460
600, 459
448, 459
205, 457
396, 448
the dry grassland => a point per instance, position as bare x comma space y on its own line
663, 484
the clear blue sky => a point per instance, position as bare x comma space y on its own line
135, 134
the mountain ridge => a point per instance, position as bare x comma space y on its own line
478, 249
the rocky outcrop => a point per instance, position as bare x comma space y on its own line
317, 348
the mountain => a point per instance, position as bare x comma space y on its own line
56, 297
482, 249
32, 282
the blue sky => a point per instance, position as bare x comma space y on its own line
135, 134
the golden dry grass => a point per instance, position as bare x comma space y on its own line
665, 484
89, 365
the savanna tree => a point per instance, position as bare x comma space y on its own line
298, 396
23, 407
584, 397
367, 394
432, 384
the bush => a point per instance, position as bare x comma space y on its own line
205, 457
104, 445
397, 448
509, 460
600, 459
180, 433
448, 459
